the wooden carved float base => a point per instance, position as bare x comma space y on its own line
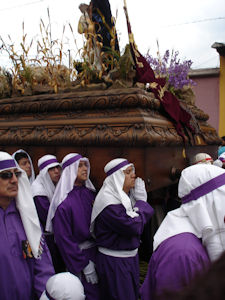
104, 125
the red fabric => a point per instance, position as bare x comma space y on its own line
145, 74
172, 106
170, 103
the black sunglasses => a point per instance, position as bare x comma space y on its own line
9, 175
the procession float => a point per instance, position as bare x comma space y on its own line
117, 106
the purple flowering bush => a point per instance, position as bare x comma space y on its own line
171, 67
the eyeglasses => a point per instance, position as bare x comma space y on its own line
9, 175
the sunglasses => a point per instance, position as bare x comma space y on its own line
9, 175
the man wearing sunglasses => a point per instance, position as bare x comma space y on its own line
25, 264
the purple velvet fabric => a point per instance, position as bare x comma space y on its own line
114, 229
42, 206
47, 162
71, 227
9, 163
71, 160
116, 168
20, 279
174, 264
119, 277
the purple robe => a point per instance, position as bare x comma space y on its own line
20, 278
174, 264
42, 205
115, 230
71, 225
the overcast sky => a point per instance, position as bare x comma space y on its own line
190, 27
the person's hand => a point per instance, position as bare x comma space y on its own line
90, 273
139, 190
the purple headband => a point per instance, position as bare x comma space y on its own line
49, 296
47, 162
119, 166
71, 160
6, 164
205, 188
222, 159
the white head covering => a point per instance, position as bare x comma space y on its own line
64, 286
202, 158
220, 161
43, 185
112, 190
32, 177
25, 205
204, 215
70, 164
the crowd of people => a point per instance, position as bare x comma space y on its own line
61, 239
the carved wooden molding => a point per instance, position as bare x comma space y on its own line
126, 117
98, 135
75, 101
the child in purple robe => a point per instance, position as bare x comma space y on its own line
25, 162
25, 263
69, 216
119, 214
190, 236
43, 189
